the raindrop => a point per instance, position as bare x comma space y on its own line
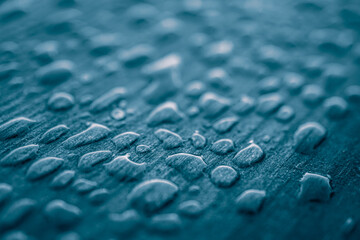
54, 134
152, 195
189, 165
89, 160
308, 137
62, 214
43, 167
20, 155
124, 169
250, 201
223, 146
15, 127
94, 133
169, 139
224, 176
315, 187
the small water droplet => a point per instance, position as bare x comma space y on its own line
250, 201
152, 195
189, 165
62, 214
308, 137
224, 176
315, 187
223, 146
169, 139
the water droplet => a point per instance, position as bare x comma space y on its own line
314, 187
192, 8
62, 179
83, 186
5, 192
285, 114
312, 94
167, 223
159, 91
250, 201
225, 125
249, 156
54, 134
350, 16
168, 30
293, 82
124, 169
17, 212
335, 107
46, 52
16, 82
63, 21
348, 227
13, 10
69, 235
56, 72
15, 127
194, 189
224, 176
272, 56
62, 214
99, 196
165, 113
245, 67
169, 139
218, 52
197, 41
118, 114
332, 41
137, 55
198, 140
125, 140
143, 149
219, 79
164, 77
109, 98
314, 66
152, 195
335, 75
126, 222
269, 103
195, 89
94, 133
353, 93
163, 65
223, 146
193, 111
103, 44
266, 139
61, 101
16, 235
89, 160
245, 105
189, 165
43, 167
190, 208
269, 84
20, 155
213, 105
86, 99
308, 137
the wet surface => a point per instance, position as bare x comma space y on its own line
191, 119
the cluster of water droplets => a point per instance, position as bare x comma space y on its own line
135, 131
